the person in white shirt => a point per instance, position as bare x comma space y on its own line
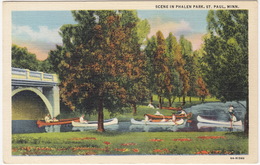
150, 105
47, 118
81, 119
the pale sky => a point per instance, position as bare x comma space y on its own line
38, 30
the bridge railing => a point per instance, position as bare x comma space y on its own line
18, 73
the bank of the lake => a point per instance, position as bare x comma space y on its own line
130, 143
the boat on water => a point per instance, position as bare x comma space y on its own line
204, 120
41, 123
154, 117
172, 108
210, 125
95, 123
157, 122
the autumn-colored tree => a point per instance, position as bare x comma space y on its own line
202, 90
179, 64
162, 72
97, 61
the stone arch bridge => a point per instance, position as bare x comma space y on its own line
42, 84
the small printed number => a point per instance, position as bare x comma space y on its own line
237, 157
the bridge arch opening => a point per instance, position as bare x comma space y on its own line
29, 104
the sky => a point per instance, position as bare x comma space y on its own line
38, 31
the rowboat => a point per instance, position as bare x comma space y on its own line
95, 123
187, 116
157, 122
204, 120
172, 108
41, 123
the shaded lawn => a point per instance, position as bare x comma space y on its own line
130, 143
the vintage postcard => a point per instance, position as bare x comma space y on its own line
130, 82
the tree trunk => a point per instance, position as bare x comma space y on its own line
151, 99
100, 116
134, 109
160, 102
170, 102
183, 100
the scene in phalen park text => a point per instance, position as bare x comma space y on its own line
130, 82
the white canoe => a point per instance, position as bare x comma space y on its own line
143, 122
209, 125
203, 120
95, 123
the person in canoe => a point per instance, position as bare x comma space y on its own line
47, 118
183, 112
81, 119
231, 110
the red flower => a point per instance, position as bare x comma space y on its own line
161, 150
135, 149
107, 143
203, 152
156, 140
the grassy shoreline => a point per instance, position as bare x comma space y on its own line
130, 143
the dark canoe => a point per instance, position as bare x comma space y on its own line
41, 123
160, 117
173, 108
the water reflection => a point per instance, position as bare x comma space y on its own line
109, 127
53, 128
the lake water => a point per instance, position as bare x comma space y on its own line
216, 111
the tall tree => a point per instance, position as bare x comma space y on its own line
190, 66
162, 72
226, 55
150, 51
179, 64
99, 55
172, 43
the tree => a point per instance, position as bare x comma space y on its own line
179, 64
202, 90
98, 57
172, 43
150, 51
21, 58
162, 72
226, 55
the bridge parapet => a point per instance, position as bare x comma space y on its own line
18, 73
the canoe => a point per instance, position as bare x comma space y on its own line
157, 122
41, 123
188, 116
210, 125
172, 108
95, 123
204, 120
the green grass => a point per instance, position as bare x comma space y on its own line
131, 143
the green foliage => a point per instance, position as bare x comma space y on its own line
226, 54
23, 59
